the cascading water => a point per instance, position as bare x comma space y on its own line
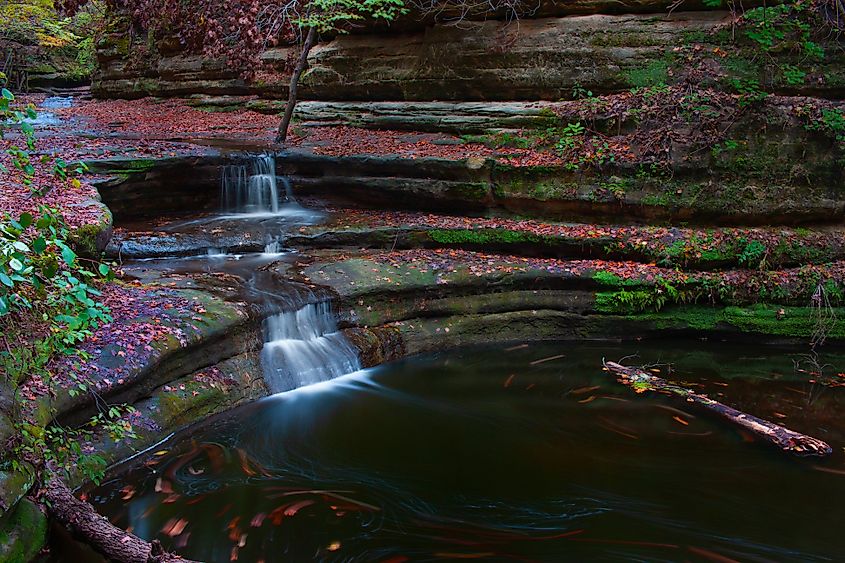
304, 347
254, 187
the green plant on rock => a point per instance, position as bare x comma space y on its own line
49, 303
778, 27
753, 254
793, 75
749, 90
571, 137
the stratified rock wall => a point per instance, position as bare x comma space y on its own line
534, 59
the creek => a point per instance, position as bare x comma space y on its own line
496, 454
521, 451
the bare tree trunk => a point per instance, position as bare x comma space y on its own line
310, 39
85, 524
783, 438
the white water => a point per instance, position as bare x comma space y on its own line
254, 188
304, 347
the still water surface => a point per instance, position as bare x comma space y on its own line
502, 454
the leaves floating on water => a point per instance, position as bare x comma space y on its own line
544, 360
174, 527
294, 508
163, 486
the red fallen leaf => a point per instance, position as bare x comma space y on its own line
509, 380
245, 463
258, 520
224, 510
171, 498
174, 527
294, 508
163, 486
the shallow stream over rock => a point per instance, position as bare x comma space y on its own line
523, 452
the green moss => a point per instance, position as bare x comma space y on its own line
656, 73
796, 322
84, 240
481, 236
23, 533
470, 191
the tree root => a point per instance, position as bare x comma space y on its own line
85, 524
785, 439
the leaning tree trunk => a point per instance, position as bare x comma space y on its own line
783, 438
310, 39
85, 524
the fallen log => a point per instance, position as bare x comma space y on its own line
83, 522
785, 439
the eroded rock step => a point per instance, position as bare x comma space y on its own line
447, 293
483, 185
668, 246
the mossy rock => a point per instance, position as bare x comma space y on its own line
23, 533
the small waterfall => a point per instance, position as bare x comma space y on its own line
253, 187
304, 347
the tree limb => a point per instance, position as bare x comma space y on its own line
785, 439
85, 524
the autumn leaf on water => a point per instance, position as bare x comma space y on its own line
544, 360
163, 486
296, 507
128, 492
174, 527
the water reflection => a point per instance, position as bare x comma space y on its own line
489, 455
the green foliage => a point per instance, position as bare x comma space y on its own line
793, 75
832, 122
48, 43
61, 448
776, 27
749, 91
753, 254
49, 304
333, 15
727, 145
571, 137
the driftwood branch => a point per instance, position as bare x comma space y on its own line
783, 438
85, 524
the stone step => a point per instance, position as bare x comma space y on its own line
683, 247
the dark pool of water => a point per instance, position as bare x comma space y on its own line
501, 454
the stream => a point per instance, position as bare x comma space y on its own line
497, 454
525, 452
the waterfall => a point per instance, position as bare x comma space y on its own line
253, 187
304, 347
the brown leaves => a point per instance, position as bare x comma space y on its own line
174, 527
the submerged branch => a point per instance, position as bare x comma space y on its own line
85, 524
785, 439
